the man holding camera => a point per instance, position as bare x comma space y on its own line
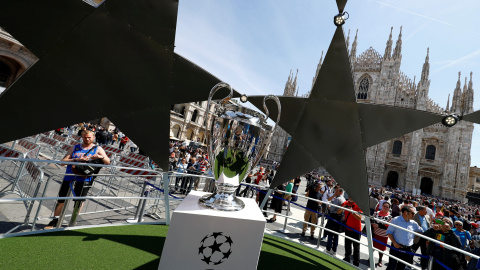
79, 153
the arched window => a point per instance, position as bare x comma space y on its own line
190, 134
430, 153
182, 111
363, 88
5, 73
397, 148
194, 116
175, 132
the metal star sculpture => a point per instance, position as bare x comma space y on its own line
115, 59
330, 129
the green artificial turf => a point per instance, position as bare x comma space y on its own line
133, 247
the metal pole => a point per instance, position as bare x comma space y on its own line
76, 210
19, 175
166, 191
30, 207
265, 200
286, 218
40, 203
321, 227
430, 263
142, 211
64, 210
370, 243
137, 213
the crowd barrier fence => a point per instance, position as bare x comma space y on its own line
151, 194
369, 234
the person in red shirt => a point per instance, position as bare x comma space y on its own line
123, 141
354, 221
259, 175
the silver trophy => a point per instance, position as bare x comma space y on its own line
236, 140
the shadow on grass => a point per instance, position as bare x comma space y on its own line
311, 259
147, 243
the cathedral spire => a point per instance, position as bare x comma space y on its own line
353, 51
397, 53
426, 68
457, 97
318, 70
294, 84
464, 97
470, 94
448, 104
348, 40
288, 85
388, 48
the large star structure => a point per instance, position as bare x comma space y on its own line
330, 129
111, 59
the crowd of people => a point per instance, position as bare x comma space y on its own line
103, 136
451, 222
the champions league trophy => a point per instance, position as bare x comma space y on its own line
236, 142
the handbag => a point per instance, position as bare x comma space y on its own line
86, 170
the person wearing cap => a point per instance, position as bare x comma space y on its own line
462, 233
402, 240
447, 256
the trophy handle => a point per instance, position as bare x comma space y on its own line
267, 141
214, 89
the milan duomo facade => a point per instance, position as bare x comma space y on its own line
435, 159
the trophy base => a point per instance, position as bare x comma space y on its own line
223, 199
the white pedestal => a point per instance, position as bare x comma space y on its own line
235, 237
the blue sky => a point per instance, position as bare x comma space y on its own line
253, 44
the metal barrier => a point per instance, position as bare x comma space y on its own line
112, 149
139, 197
32, 150
369, 234
137, 156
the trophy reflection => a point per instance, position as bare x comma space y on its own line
236, 140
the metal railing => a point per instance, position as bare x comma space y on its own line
369, 234
125, 195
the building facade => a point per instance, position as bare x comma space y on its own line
14, 59
435, 159
187, 121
